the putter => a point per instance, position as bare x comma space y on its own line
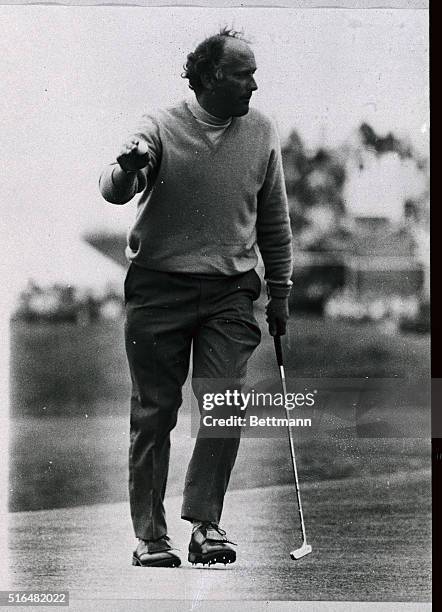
305, 549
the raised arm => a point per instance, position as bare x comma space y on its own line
135, 167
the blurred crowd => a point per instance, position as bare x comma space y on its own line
408, 313
65, 303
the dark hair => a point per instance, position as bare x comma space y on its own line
207, 57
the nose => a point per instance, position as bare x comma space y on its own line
254, 86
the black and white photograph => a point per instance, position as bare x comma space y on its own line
216, 298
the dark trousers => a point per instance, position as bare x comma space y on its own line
166, 315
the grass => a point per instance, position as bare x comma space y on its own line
370, 536
65, 369
78, 461
69, 427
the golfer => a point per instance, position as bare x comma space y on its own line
212, 193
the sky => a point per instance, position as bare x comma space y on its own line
76, 79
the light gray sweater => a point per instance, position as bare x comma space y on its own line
205, 208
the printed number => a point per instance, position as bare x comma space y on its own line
36, 597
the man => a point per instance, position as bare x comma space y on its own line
210, 177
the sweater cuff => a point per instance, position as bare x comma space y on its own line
278, 290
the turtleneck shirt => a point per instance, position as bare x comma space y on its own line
213, 126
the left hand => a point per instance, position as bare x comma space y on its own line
277, 311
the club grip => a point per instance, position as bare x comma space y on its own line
278, 350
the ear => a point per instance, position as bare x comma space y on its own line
207, 80
210, 80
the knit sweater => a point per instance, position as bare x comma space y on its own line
205, 208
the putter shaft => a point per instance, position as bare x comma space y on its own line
305, 548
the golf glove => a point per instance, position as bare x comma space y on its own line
277, 314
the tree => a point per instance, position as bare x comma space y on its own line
314, 182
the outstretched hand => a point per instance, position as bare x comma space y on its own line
277, 315
134, 155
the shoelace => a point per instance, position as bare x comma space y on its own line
221, 532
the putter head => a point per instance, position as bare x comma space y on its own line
301, 552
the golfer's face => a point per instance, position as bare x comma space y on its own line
234, 90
